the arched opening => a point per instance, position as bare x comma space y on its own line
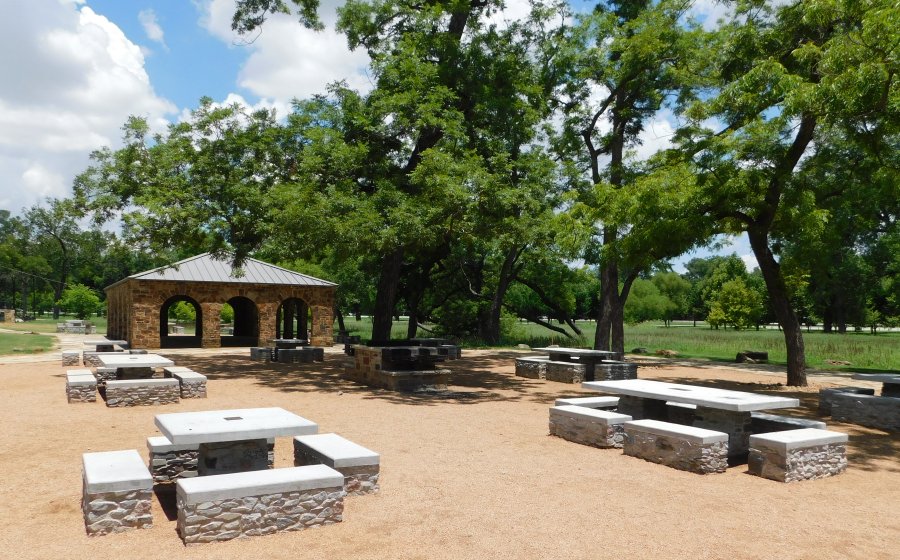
239, 323
180, 323
292, 320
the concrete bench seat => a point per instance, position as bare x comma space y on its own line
116, 492
826, 396
360, 466
589, 402
246, 504
169, 370
762, 423
686, 448
588, 426
81, 386
793, 455
141, 392
191, 383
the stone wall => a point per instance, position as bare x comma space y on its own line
258, 515
610, 371
566, 372
71, 358
171, 465
797, 464
358, 480
193, 389
826, 396
677, 453
586, 430
532, 368
115, 512
867, 410
81, 392
134, 394
134, 308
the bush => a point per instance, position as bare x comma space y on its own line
79, 300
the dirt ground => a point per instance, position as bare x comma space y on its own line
469, 474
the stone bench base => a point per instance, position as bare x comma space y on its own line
169, 462
360, 466
826, 396
867, 410
81, 386
404, 381
192, 384
612, 371
566, 372
246, 504
116, 493
532, 368
684, 448
142, 392
794, 455
588, 426
71, 358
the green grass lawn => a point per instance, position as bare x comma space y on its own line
864, 351
22, 343
47, 324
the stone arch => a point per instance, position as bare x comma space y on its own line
292, 319
169, 339
245, 329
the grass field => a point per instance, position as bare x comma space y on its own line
865, 352
21, 343
47, 324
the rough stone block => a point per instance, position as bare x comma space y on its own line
613, 370
804, 454
191, 383
532, 368
588, 426
566, 372
71, 358
826, 396
81, 386
867, 410
360, 466
116, 493
142, 392
681, 447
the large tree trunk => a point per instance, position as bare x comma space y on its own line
339, 315
386, 296
490, 326
778, 295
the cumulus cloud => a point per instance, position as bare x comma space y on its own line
151, 27
73, 81
286, 60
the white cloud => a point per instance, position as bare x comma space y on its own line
286, 60
750, 261
151, 27
71, 84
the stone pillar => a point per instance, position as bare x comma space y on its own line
322, 325
641, 409
268, 317
736, 424
211, 313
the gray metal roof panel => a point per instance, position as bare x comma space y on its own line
204, 268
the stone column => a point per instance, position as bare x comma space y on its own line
268, 316
211, 336
640, 409
735, 424
322, 325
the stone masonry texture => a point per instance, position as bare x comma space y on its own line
71, 358
531, 368
826, 396
191, 389
81, 393
867, 410
565, 372
587, 431
677, 453
141, 396
258, 515
807, 463
358, 480
115, 512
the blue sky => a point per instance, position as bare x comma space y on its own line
76, 69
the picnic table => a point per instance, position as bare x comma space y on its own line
133, 366
232, 440
717, 409
890, 382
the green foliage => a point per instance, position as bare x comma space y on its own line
80, 300
646, 303
183, 312
226, 315
735, 304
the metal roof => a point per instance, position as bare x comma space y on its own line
204, 268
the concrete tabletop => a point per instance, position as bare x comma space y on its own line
709, 397
232, 425
575, 351
104, 342
122, 360
883, 377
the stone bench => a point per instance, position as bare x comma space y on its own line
360, 466
104, 374
246, 504
867, 410
116, 493
169, 462
826, 396
609, 370
261, 354
81, 386
566, 372
71, 358
793, 455
191, 383
589, 402
532, 367
588, 426
762, 423
685, 448
141, 392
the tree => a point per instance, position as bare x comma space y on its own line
787, 74
80, 300
677, 290
647, 303
58, 223
638, 54
735, 304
